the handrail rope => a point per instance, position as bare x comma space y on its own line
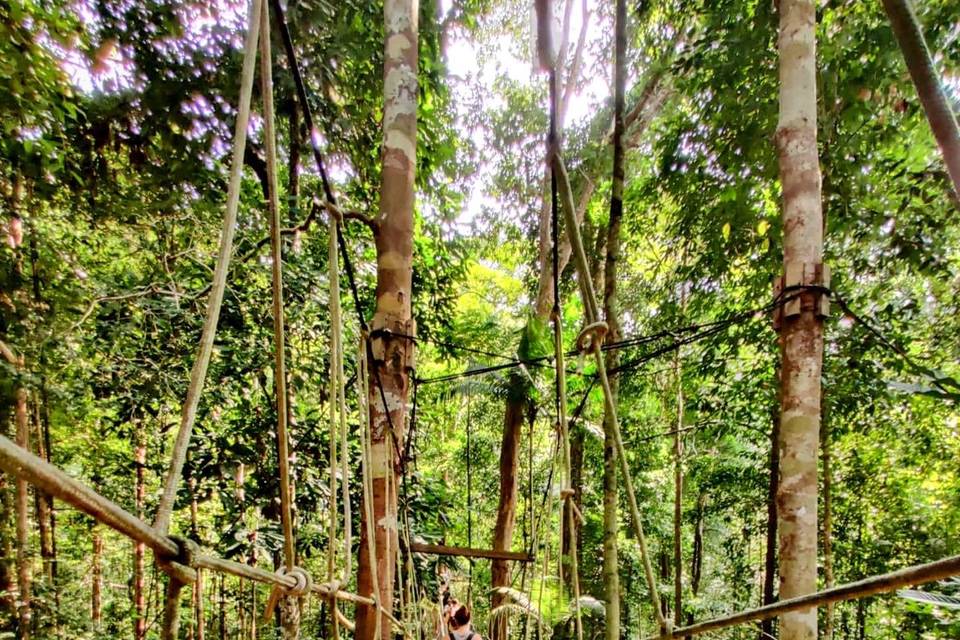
879, 583
198, 374
54, 481
276, 250
560, 396
586, 289
180, 575
703, 330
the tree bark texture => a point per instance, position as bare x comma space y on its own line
392, 356
507, 505
140, 489
23, 522
801, 332
770, 561
943, 121
611, 562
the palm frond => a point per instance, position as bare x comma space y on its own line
929, 597
588, 606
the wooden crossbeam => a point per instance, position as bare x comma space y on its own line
466, 552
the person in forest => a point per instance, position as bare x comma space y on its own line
457, 618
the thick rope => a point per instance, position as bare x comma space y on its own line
289, 607
171, 610
367, 472
590, 305
199, 373
276, 252
336, 373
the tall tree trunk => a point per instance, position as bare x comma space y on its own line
934, 99
96, 576
611, 314
507, 507
7, 567
392, 356
23, 521
41, 506
140, 491
678, 499
770, 561
801, 326
827, 527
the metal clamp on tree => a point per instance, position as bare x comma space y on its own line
804, 286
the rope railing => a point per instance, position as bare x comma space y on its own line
54, 481
882, 583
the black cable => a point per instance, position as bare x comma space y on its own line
704, 330
331, 198
889, 344
456, 347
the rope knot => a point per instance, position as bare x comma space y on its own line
304, 581
183, 566
592, 335
302, 586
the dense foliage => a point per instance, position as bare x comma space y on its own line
116, 125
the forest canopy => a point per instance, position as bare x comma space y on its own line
490, 162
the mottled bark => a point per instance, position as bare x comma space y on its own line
392, 356
801, 333
507, 506
24, 612
140, 489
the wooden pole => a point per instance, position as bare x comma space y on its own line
883, 583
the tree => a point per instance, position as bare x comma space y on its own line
801, 320
392, 353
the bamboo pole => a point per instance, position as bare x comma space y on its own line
883, 583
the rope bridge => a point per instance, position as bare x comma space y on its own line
180, 559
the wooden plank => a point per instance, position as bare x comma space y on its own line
465, 552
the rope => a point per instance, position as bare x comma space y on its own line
178, 456
198, 374
590, 305
560, 397
290, 611
280, 379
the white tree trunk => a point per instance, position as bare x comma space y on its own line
801, 328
